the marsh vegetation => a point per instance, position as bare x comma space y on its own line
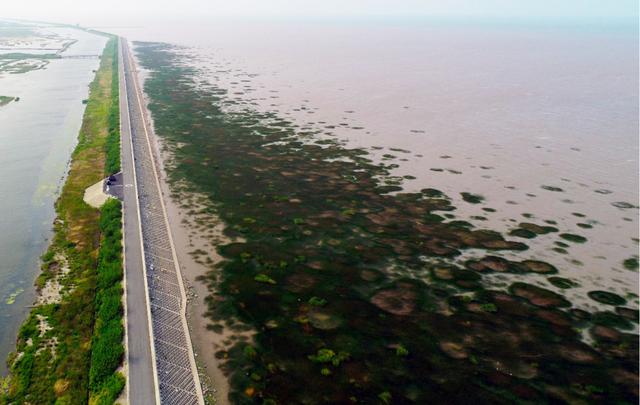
356, 291
69, 348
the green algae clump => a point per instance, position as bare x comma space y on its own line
360, 266
472, 198
263, 278
571, 237
631, 263
538, 296
523, 233
562, 282
605, 297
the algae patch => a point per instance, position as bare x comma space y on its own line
11, 299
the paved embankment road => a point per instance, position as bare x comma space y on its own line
175, 378
141, 384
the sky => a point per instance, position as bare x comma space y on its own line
91, 12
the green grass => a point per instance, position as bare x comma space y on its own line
107, 348
112, 147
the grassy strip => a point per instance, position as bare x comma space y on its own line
107, 349
53, 356
112, 150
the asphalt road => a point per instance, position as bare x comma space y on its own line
116, 187
141, 382
172, 377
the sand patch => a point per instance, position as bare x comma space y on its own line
95, 196
51, 293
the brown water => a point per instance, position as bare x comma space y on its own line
497, 110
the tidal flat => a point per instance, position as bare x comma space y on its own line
336, 286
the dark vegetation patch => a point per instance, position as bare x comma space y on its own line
629, 313
523, 233
606, 297
490, 264
623, 205
472, 198
538, 296
332, 273
562, 282
537, 229
631, 263
611, 320
572, 237
552, 188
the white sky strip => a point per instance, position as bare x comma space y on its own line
125, 11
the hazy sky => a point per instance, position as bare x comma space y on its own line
115, 11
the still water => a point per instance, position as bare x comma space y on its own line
37, 136
541, 120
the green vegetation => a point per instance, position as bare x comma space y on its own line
60, 352
385, 265
4, 100
606, 297
631, 263
624, 205
472, 198
107, 349
523, 233
329, 356
562, 282
318, 302
402, 351
537, 229
112, 146
571, 237
263, 278
488, 307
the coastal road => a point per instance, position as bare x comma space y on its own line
141, 381
174, 376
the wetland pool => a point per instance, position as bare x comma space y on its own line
38, 134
